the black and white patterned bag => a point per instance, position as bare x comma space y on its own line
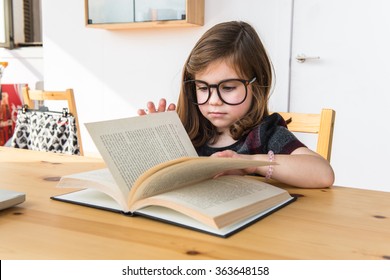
46, 131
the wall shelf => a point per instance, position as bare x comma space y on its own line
194, 16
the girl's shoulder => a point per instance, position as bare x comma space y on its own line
273, 134
275, 119
269, 125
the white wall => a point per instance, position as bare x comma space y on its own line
115, 72
25, 66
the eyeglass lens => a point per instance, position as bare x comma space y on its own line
231, 92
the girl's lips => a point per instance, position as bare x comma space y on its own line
216, 114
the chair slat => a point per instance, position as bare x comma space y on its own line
29, 96
321, 124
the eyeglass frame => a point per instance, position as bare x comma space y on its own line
246, 83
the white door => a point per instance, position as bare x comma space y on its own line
352, 76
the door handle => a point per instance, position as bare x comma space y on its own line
301, 58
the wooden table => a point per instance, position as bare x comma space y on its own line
337, 223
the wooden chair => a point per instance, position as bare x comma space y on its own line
321, 124
29, 96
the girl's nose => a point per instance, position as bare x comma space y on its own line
214, 97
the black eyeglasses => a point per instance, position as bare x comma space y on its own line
230, 91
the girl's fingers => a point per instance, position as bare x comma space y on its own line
151, 107
162, 104
171, 107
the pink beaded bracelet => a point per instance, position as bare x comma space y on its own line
271, 157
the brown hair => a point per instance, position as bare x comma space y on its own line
239, 44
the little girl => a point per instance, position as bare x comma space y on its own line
223, 105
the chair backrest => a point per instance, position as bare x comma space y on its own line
321, 124
29, 96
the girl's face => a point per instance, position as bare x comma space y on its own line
222, 115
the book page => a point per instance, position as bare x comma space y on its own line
131, 146
100, 179
221, 201
170, 216
186, 172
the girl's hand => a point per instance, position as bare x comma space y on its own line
162, 107
302, 168
233, 154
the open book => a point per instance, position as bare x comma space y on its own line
154, 171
